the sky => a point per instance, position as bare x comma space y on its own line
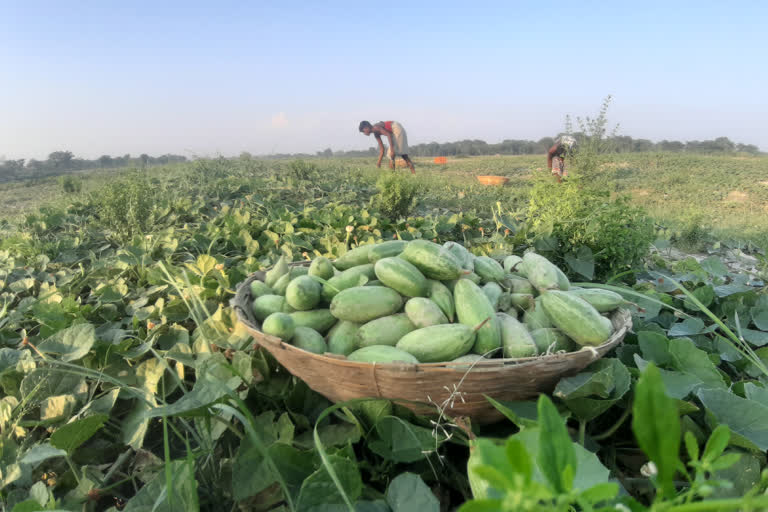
210, 78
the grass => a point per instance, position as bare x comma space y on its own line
726, 194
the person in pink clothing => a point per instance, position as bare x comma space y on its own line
398, 141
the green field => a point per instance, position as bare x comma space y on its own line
126, 380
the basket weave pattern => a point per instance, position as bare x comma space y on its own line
427, 384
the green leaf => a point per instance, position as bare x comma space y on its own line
744, 474
612, 376
655, 347
582, 262
337, 434
519, 459
41, 452
28, 506
760, 317
590, 471
69, 437
601, 492
400, 441
156, 497
555, 446
657, 431
694, 361
481, 506
71, 344
408, 492
690, 327
716, 444
747, 418
486, 453
522, 414
691, 445
57, 408
318, 489
39, 493
714, 266
704, 294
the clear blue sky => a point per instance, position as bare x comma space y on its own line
223, 77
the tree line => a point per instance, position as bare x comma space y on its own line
62, 162
617, 144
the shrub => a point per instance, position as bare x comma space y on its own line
617, 233
397, 195
70, 184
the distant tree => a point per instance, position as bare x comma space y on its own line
105, 161
723, 144
61, 159
144, 159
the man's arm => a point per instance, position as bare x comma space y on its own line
550, 154
381, 149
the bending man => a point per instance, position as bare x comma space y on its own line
398, 141
564, 145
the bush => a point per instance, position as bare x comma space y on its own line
128, 206
70, 184
397, 195
618, 234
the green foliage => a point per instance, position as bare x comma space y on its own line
617, 233
397, 195
123, 369
70, 184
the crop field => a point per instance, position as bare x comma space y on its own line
127, 382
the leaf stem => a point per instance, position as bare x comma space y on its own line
615, 426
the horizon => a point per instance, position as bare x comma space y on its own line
198, 80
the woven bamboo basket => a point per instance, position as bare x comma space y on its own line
458, 389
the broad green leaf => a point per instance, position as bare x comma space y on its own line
690, 327
71, 344
590, 471
39, 493
337, 434
747, 418
400, 441
56, 408
731, 289
156, 497
31, 505
613, 376
744, 474
588, 383
756, 338
756, 393
41, 452
555, 446
9, 358
582, 262
522, 414
655, 347
656, 430
319, 490
760, 317
70, 436
694, 361
704, 294
714, 266
409, 492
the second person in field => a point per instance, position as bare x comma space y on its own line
398, 141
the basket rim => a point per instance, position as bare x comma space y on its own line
622, 318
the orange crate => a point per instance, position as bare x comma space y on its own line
441, 160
